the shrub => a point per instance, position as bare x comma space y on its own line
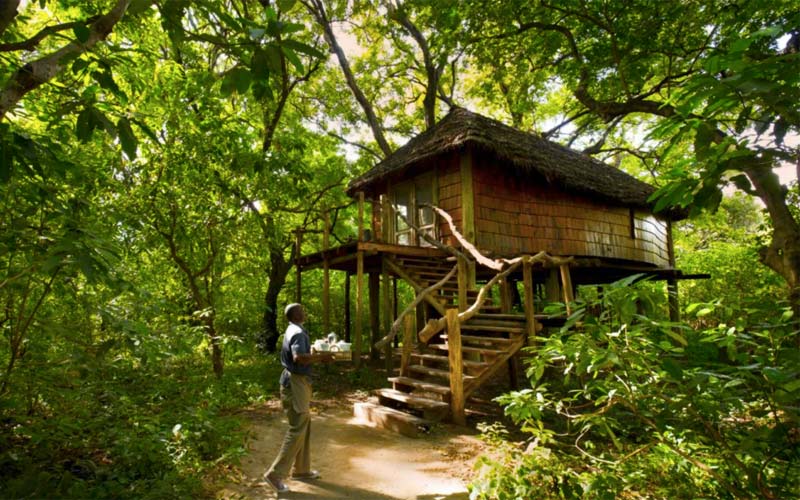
624, 406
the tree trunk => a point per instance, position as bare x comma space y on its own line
783, 253
278, 271
8, 12
217, 362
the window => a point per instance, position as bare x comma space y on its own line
408, 199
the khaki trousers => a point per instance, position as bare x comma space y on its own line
296, 447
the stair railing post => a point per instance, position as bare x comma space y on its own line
457, 399
408, 344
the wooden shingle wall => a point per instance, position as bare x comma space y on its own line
514, 216
449, 193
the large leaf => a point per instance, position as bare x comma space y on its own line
84, 125
82, 33
303, 48
126, 137
259, 64
292, 57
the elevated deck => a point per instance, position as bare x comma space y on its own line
584, 270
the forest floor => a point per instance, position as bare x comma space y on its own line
356, 460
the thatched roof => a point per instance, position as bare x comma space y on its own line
527, 153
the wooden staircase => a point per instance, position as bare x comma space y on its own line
422, 393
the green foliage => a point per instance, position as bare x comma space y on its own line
622, 406
116, 427
725, 244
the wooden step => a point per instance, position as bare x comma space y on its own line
435, 372
500, 316
473, 339
421, 385
389, 418
429, 409
474, 368
477, 350
492, 328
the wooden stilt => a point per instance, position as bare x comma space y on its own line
528, 302
505, 296
359, 284
359, 313
347, 335
374, 314
387, 317
552, 289
457, 400
394, 307
326, 284
672, 299
505, 308
566, 285
513, 372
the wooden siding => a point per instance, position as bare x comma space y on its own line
514, 216
449, 169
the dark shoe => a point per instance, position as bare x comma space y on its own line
312, 474
276, 483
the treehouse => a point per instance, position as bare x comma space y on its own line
486, 224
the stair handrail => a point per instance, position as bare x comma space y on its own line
380, 344
503, 266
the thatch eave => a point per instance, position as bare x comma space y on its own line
527, 154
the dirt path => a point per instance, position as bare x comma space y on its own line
357, 461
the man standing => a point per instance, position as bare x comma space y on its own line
295, 383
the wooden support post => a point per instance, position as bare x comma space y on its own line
326, 279
361, 216
374, 314
672, 300
359, 284
387, 222
387, 317
298, 290
457, 399
463, 280
347, 335
505, 308
359, 312
394, 309
566, 284
552, 289
513, 371
408, 344
505, 296
528, 302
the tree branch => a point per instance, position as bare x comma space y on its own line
42, 70
317, 10
32, 42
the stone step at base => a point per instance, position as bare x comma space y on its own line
391, 419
